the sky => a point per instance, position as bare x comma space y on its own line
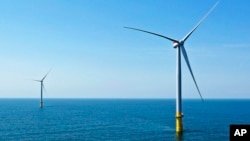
92, 56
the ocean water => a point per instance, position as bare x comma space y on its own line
119, 119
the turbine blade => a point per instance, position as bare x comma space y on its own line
189, 67
46, 75
196, 26
154, 34
44, 88
37, 80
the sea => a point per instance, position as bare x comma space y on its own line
119, 119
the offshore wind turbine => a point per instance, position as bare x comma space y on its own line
179, 46
42, 88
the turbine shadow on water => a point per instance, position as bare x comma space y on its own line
179, 136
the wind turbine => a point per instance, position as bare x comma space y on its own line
179, 46
42, 88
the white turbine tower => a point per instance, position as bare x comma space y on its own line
42, 88
179, 45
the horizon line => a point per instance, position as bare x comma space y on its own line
241, 98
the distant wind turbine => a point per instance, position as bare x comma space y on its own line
179, 45
42, 88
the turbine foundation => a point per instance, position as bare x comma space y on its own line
179, 127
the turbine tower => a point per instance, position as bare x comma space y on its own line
42, 87
179, 46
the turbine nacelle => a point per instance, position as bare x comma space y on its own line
176, 44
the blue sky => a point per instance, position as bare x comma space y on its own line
93, 56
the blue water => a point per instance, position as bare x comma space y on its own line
119, 119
